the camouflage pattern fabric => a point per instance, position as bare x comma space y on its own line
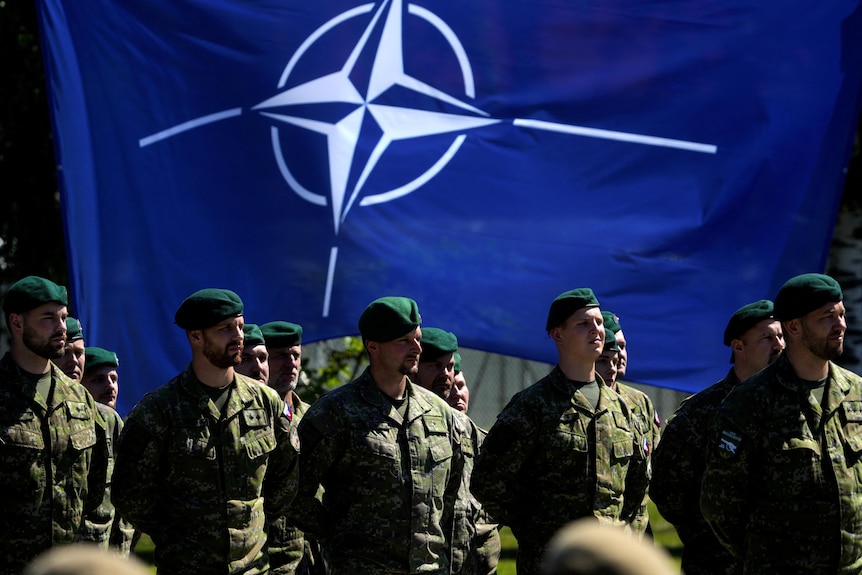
783, 482
476, 543
390, 483
549, 460
102, 526
487, 546
199, 482
467, 508
53, 463
678, 463
649, 425
285, 543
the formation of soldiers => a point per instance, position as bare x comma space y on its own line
229, 472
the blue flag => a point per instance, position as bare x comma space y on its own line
680, 158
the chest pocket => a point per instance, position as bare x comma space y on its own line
853, 431
439, 447
82, 434
793, 452
380, 440
569, 434
24, 432
192, 438
258, 437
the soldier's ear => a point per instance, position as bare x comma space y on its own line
792, 327
737, 346
15, 322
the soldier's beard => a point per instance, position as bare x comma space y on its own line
43, 348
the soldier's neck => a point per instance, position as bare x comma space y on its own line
29, 361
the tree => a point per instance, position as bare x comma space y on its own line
31, 230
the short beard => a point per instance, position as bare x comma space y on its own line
47, 350
821, 348
222, 359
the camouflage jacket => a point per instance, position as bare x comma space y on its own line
549, 459
285, 543
103, 527
782, 483
649, 425
199, 481
678, 464
390, 483
467, 508
53, 463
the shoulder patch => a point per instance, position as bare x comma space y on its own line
728, 444
294, 438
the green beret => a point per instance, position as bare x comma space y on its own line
74, 331
612, 322
281, 334
253, 336
805, 293
389, 318
611, 341
568, 303
31, 292
207, 307
746, 318
437, 342
457, 363
99, 357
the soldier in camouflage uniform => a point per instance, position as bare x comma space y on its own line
388, 456
53, 455
102, 526
436, 373
206, 458
755, 339
607, 367
486, 548
566, 447
639, 401
289, 551
782, 487
255, 357
101, 379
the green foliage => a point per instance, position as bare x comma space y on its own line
343, 360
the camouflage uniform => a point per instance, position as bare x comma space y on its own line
53, 461
783, 480
285, 543
390, 483
678, 464
467, 508
649, 425
199, 481
103, 527
549, 459
486, 548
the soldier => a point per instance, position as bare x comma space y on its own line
101, 379
388, 456
289, 551
755, 340
486, 548
566, 447
53, 454
782, 487
72, 362
436, 373
255, 357
204, 459
640, 402
607, 366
